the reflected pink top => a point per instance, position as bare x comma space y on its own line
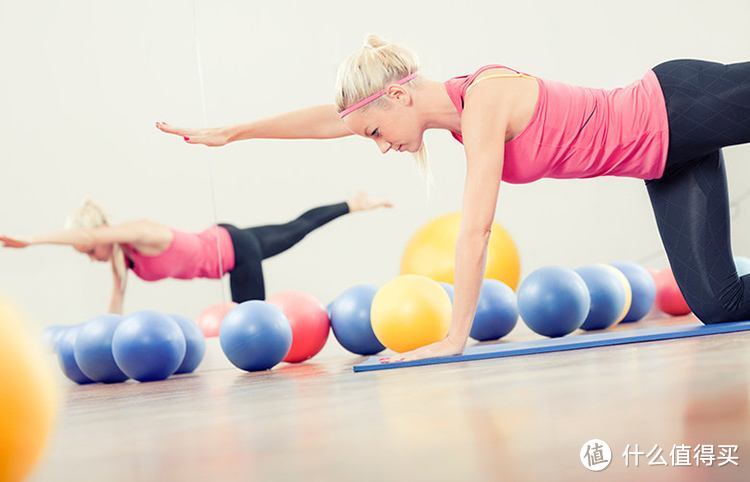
189, 255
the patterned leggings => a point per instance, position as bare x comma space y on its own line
708, 107
253, 245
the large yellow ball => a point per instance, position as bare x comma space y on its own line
431, 252
27, 398
410, 311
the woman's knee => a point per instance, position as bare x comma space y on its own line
715, 312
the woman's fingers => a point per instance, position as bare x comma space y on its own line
208, 137
169, 129
9, 242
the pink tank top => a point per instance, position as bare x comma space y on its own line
580, 132
189, 255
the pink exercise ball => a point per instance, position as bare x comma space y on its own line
209, 320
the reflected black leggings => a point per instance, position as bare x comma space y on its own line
708, 107
253, 245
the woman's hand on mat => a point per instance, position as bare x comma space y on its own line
15, 242
213, 137
445, 347
363, 202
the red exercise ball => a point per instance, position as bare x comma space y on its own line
309, 320
209, 320
669, 298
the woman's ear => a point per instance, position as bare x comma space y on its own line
398, 94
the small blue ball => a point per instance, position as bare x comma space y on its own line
350, 320
553, 301
497, 311
66, 356
608, 296
93, 349
643, 287
148, 346
195, 344
255, 335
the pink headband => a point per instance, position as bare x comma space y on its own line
373, 97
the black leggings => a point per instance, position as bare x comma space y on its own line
708, 107
253, 245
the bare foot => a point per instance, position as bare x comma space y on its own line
363, 202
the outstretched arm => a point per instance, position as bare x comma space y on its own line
84, 238
319, 122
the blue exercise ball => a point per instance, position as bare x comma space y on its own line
148, 346
448, 289
350, 320
255, 335
66, 356
742, 264
643, 287
608, 296
553, 301
195, 344
93, 349
497, 311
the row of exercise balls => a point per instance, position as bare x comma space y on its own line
562, 293
290, 326
412, 311
555, 301
145, 346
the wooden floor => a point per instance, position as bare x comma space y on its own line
510, 419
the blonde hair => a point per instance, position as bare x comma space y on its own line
90, 215
370, 69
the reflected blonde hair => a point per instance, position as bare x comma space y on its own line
91, 216
371, 68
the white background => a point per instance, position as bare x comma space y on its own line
83, 82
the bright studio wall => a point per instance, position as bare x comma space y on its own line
84, 81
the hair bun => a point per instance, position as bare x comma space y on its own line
375, 42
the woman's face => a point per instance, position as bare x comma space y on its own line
393, 126
101, 252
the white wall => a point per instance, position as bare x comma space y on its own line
83, 82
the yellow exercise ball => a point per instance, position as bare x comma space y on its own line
410, 311
628, 291
27, 398
431, 252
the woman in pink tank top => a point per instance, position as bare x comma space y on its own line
154, 251
666, 128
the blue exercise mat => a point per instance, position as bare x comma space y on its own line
500, 350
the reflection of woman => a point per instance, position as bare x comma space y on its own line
154, 251
667, 128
